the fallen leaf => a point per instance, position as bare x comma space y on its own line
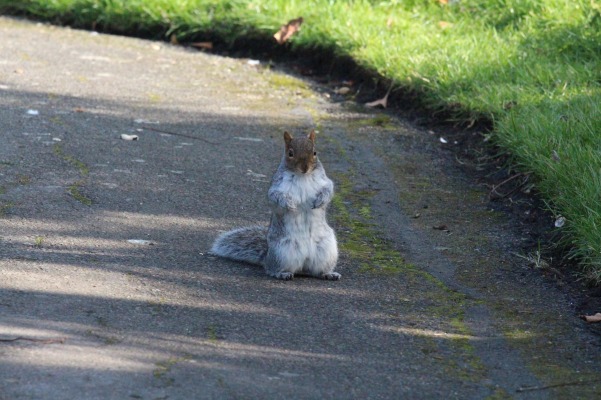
129, 137
286, 31
342, 90
444, 24
202, 45
380, 102
592, 318
79, 110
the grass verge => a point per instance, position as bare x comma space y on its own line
530, 66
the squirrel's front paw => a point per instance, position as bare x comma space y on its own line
282, 200
289, 204
318, 202
322, 198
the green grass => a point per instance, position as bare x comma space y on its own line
530, 66
39, 241
77, 195
81, 166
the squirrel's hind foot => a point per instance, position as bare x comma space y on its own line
285, 276
332, 276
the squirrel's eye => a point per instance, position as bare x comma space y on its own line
290, 153
314, 153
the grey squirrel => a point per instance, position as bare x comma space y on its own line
298, 239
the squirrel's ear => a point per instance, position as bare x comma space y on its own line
312, 135
287, 137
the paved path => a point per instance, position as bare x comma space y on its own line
419, 313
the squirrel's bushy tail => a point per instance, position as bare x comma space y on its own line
243, 244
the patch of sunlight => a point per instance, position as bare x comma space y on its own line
59, 282
16, 328
427, 332
114, 221
162, 221
111, 228
94, 358
257, 351
141, 356
148, 342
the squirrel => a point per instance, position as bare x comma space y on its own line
298, 239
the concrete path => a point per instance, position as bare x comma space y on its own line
107, 290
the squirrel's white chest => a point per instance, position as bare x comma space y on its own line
305, 222
303, 189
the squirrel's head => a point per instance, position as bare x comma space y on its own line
300, 153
